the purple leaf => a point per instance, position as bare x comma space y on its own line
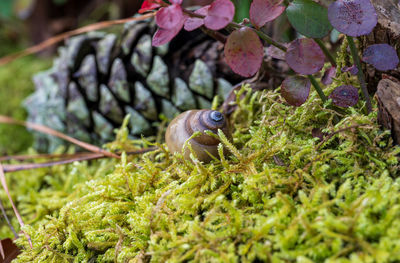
328, 75
275, 52
295, 89
192, 23
344, 96
244, 52
353, 17
381, 56
263, 11
170, 17
352, 69
220, 14
305, 56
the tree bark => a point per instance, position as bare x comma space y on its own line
386, 84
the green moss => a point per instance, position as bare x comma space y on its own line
15, 86
276, 198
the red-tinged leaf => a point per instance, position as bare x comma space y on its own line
353, 17
244, 52
352, 69
275, 52
220, 14
263, 11
177, 2
327, 78
295, 89
344, 96
305, 56
170, 17
148, 5
381, 56
163, 36
192, 23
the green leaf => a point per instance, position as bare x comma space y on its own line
309, 18
6, 8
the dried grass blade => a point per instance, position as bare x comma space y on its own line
58, 38
42, 156
19, 167
17, 214
47, 130
3, 211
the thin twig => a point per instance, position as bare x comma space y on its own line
27, 166
17, 214
3, 211
47, 130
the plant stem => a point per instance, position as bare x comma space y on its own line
322, 95
360, 74
317, 88
269, 40
326, 52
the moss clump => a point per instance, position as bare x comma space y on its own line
277, 198
15, 86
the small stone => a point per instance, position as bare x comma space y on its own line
158, 79
203, 103
138, 124
87, 77
201, 79
182, 97
142, 56
76, 108
104, 50
102, 127
144, 102
169, 109
118, 82
223, 88
108, 105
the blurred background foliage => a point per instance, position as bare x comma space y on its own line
24, 23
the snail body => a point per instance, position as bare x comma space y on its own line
184, 125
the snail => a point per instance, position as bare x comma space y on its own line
184, 125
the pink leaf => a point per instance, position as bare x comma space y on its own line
163, 36
305, 56
295, 89
170, 17
263, 11
244, 52
177, 2
192, 23
220, 14
148, 5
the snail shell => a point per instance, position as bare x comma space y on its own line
184, 125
